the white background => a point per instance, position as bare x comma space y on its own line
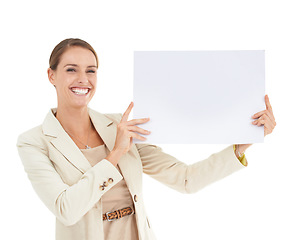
262, 201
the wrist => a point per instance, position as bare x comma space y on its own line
239, 152
242, 147
240, 155
114, 156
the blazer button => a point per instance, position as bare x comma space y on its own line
102, 188
105, 184
110, 180
135, 198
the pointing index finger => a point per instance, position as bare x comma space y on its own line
127, 112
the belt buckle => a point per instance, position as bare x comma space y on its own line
110, 220
132, 212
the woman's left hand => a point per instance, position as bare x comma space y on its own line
266, 118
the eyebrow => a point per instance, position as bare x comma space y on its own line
75, 65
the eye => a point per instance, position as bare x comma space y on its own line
91, 71
70, 70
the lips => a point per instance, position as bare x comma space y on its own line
80, 90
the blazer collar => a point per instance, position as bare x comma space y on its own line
62, 142
52, 127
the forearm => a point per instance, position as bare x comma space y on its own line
76, 200
187, 178
69, 202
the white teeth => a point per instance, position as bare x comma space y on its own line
80, 91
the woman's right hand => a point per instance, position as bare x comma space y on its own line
126, 131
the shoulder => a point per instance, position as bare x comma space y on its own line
33, 136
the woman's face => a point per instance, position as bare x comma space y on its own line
75, 78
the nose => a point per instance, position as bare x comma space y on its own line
82, 78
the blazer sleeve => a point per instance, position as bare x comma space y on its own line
68, 203
187, 178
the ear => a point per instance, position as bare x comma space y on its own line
51, 76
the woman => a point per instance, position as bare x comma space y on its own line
84, 166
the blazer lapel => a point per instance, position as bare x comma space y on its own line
63, 143
129, 164
105, 128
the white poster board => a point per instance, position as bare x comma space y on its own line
197, 97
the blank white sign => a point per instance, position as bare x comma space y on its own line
199, 97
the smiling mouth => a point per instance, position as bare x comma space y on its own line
80, 91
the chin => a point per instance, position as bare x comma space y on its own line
80, 104
81, 101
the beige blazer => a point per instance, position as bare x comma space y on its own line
70, 188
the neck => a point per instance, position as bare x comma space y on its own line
74, 120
